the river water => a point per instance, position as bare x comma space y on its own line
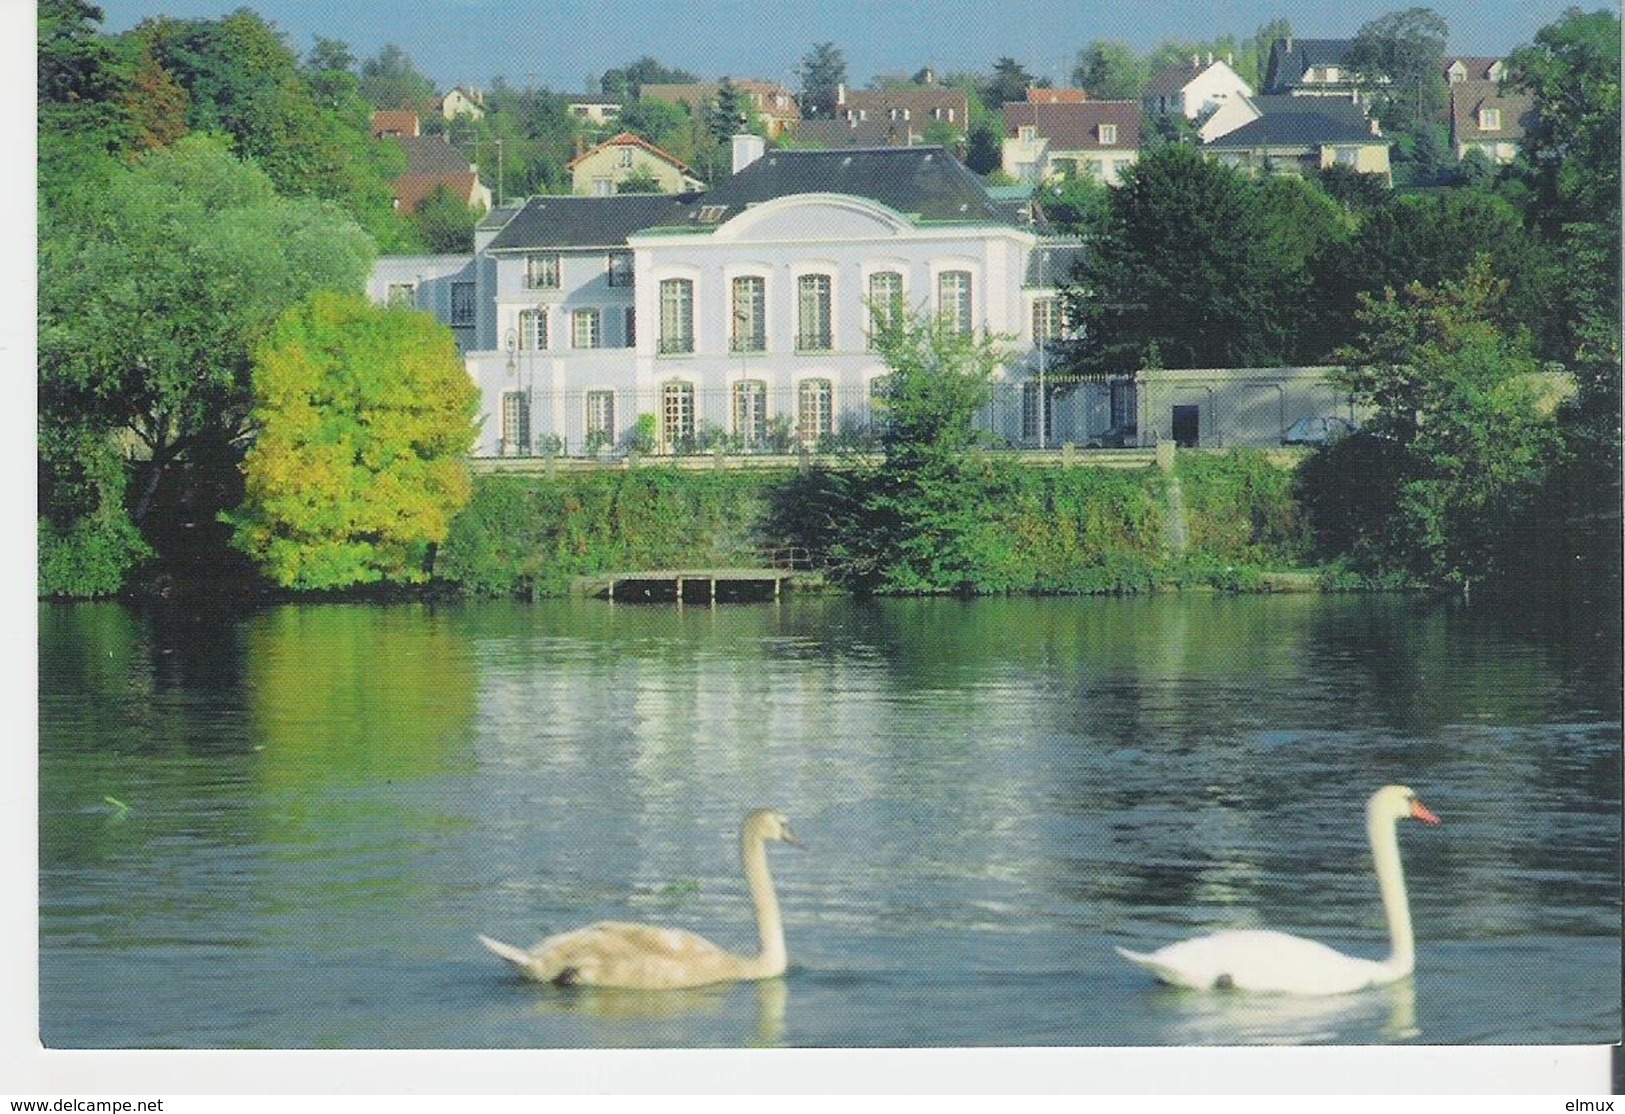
283, 828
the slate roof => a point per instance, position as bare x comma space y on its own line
431, 154
1171, 79
584, 222
1055, 259
1076, 127
1291, 58
1467, 97
1478, 69
1299, 122
925, 182
853, 133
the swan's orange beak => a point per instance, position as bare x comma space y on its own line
1420, 811
791, 838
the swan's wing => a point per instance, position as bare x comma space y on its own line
518, 957
615, 953
1258, 960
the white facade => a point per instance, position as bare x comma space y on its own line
762, 320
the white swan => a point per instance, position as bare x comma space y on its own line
645, 957
1277, 962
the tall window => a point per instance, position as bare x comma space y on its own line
533, 329
815, 410
813, 313
750, 410
600, 418
1046, 319
586, 329
462, 303
750, 314
1108, 135
515, 423
953, 300
542, 271
676, 315
885, 300
677, 412
631, 334
620, 268
1489, 119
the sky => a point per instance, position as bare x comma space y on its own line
562, 44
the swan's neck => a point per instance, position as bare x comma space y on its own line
1391, 880
769, 926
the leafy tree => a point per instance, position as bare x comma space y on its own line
446, 223
1076, 205
153, 294
1184, 268
984, 150
83, 91
629, 80
1462, 439
390, 81
922, 525
639, 181
364, 417
823, 72
1010, 82
1407, 49
1110, 71
329, 69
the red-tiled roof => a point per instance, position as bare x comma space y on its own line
627, 139
394, 123
412, 190
1056, 96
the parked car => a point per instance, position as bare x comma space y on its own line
1125, 436
1319, 430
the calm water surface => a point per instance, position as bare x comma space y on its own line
326, 803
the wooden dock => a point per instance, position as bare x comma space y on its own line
708, 586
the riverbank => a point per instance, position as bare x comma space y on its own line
1217, 520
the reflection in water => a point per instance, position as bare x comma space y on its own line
327, 809
603, 1004
1209, 1018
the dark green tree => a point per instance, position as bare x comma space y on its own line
629, 80
984, 151
728, 114
1464, 435
1009, 82
1399, 58
822, 72
153, 294
446, 223
389, 80
1110, 71
1184, 268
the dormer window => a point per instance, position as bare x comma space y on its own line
1331, 73
1108, 134
1028, 133
1489, 119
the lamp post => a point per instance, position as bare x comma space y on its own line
1043, 441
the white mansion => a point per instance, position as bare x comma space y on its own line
740, 317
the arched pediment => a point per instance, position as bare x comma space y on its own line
815, 216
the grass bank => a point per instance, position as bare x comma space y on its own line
1225, 520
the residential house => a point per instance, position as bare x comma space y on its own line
1461, 68
1310, 68
1036, 95
600, 171
392, 124
747, 311
598, 109
1097, 139
463, 102
431, 163
775, 105
1297, 135
913, 109
1208, 93
1484, 117
826, 134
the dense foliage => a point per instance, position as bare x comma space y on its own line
364, 416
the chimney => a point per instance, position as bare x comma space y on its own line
1210, 58
1289, 44
747, 149
840, 93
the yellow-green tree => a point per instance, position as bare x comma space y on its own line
364, 416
